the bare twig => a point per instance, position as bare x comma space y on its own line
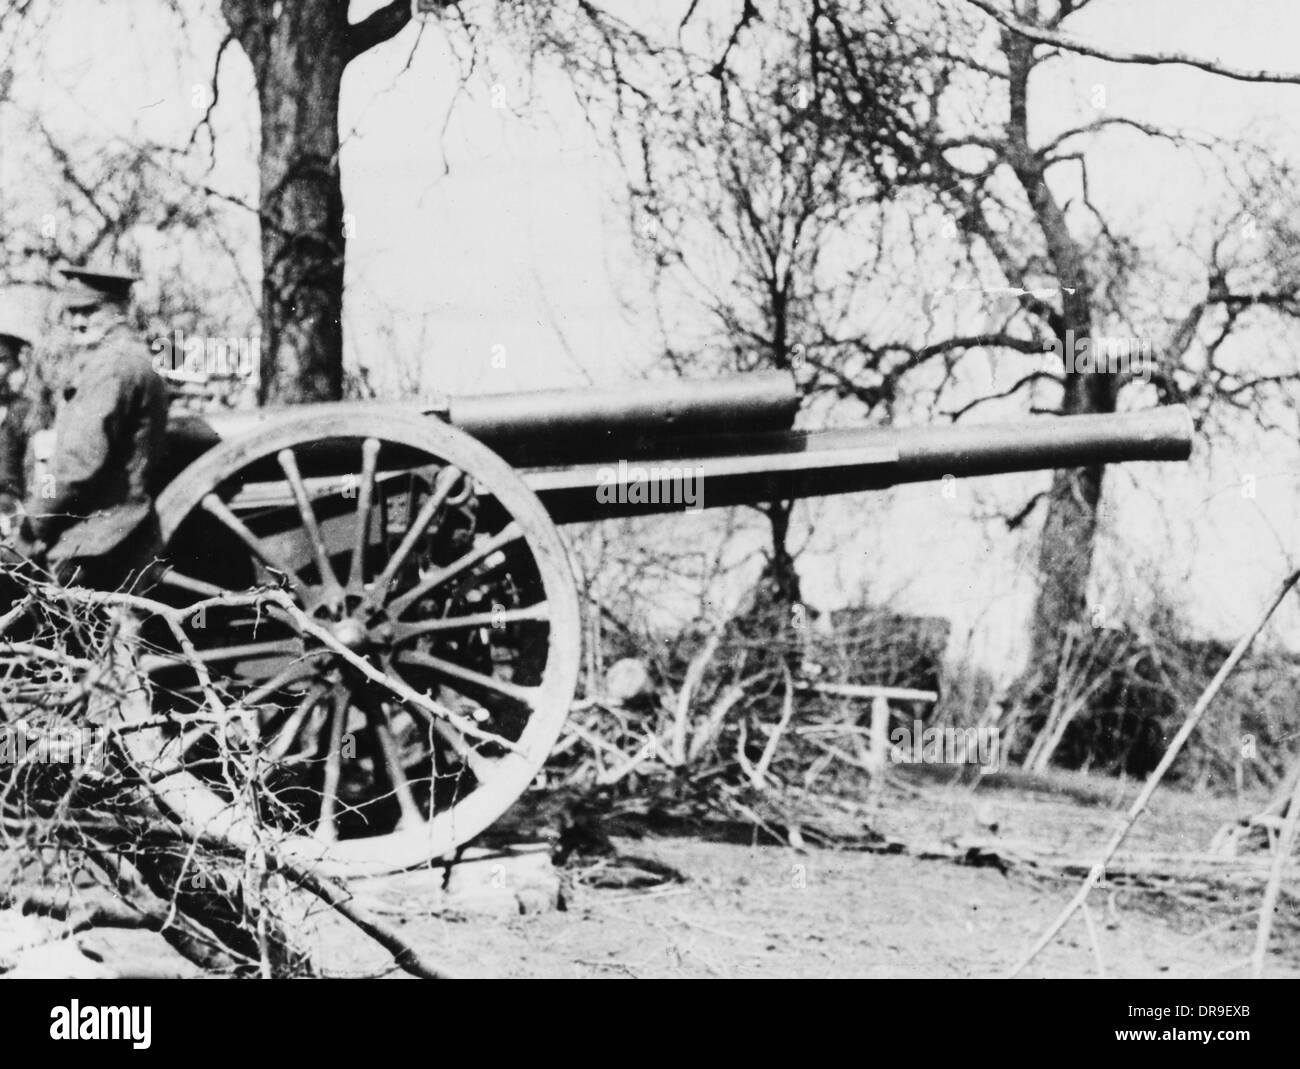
1067, 42
1153, 781
1281, 854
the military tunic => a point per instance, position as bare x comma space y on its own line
94, 508
14, 432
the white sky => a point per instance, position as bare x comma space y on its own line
502, 228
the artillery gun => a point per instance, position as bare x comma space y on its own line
433, 650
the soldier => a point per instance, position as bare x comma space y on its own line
24, 405
14, 343
90, 519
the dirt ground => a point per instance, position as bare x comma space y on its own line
771, 911
763, 910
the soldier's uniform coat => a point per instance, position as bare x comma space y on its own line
95, 511
14, 434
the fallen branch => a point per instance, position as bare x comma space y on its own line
1281, 855
787, 711
1153, 781
694, 675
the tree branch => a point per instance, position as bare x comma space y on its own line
382, 25
1071, 43
749, 13
1048, 150
1034, 376
215, 89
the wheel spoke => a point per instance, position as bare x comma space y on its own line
187, 743
506, 535
527, 695
191, 737
329, 581
476, 762
382, 728
157, 662
442, 490
180, 581
369, 462
218, 509
292, 674
533, 613
289, 731
171, 577
326, 829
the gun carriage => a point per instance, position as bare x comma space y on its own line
434, 652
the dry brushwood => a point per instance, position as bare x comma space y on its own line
753, 759
729, 735
85, 807
1099, 868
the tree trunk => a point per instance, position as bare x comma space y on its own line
298, 49
1066, 550
773, 620
780, 576
1068, 541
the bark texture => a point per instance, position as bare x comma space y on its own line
299, 50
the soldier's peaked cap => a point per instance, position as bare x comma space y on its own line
91, 286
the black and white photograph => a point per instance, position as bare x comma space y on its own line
689, 489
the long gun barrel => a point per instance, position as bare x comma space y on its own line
748, 469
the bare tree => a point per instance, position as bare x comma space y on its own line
848, 126
1065, 248
748, 190
299, 51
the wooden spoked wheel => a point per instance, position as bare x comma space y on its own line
423, 671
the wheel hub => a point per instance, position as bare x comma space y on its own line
350, 633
